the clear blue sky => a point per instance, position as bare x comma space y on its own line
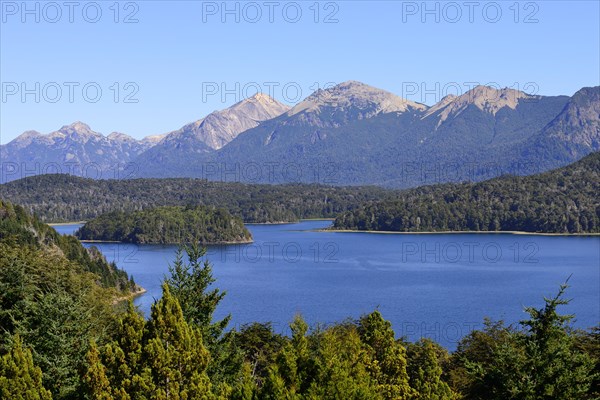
178, 50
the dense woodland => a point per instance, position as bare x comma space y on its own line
63, 336
565, 200
60, 198
164, 225
20, 230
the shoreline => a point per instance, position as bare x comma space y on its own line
245, 223
162, 244
457, 232
289, 222
130, 296
271, 223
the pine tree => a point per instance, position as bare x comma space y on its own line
288, 374
425, 372
342, 367
176, 357
122, 358
245, 388
190, 282
95, 378
390, 356
20, 379
541, 362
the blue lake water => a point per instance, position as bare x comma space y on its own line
439, 286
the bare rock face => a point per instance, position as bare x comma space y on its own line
485, 98
348, 101
579, 122
221, 127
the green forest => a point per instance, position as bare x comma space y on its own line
167, 225
65, 198
565, 200
63, 336
21, 231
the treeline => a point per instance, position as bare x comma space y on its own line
20, 230
180, 352
65, 198
565, 200
206, 225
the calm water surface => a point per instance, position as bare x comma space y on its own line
439, 286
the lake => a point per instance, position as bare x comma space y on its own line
439, 286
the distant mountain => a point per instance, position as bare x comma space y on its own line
345, 103
355, 134
350, 134
573, 133
221, 127
306, 143
208, 134
74, 148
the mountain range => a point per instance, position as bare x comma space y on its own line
350, 134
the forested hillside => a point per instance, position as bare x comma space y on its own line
55, 296
59, 198
18, 229
164, 225
565, 200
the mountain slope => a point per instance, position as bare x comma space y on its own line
208, 134
572, 134
350, 134
564, 200
354, 134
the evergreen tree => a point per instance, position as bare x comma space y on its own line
176, 357
20, 379
539, 363
122, 358
98, 385
343, 367
191, 283
245, 388
390, 356
425, 372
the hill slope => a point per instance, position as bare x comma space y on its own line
565, 200
19, 229
59, 198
